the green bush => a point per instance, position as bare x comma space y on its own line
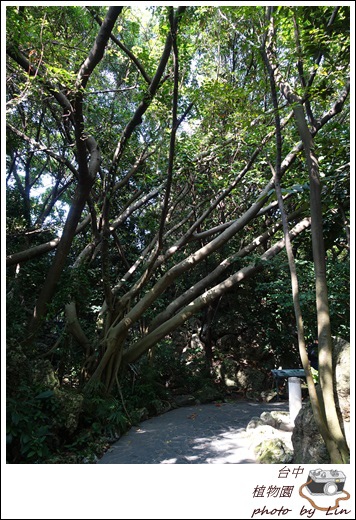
29, 438
60, 426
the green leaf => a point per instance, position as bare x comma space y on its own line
25, 439
15, 418
45, 395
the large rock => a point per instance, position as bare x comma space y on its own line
227, 372
273, 451
308, 445
44, 375
270, 444
341, 361
140, 414
251, 380
277, 419
207, 394
268, 395
159, 407
184, 400
254, 423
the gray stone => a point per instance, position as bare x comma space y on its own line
160, 406
308, 444
268, 395
276, 419
254, 423
44, 375
282, 420
227, 371
273, 451
341, 364
141, 414
268, 418
207, 394
251, 379
270, 445
92, 459
263, 431
184, 400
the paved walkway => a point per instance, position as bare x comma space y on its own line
201, 434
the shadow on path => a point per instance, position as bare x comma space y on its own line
201, 434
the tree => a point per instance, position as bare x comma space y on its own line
330, 429
156, 128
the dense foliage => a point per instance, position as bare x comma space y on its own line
142, 222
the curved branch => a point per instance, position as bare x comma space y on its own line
133, 207
145, 103
41, 148
133, 353
200, 286
174, 128
75, 328
132, 57
97, 52
21, 60
34, 252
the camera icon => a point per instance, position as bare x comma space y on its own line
325, 482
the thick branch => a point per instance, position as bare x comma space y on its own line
132, 57
199, 287
145, 103
41, 148
80, 198
97, 52
132, 170
34, 252
75, 328
21, 60
187, 264
337, 446
202, 301
173, 129
133, 207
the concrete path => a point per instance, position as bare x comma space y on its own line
201, 434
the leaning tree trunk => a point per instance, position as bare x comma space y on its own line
322, 303
317, 406
87, 169
341, 454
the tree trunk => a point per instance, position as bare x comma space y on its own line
341, 455
321, 290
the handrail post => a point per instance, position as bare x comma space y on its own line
295, 397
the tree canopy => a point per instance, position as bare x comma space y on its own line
141, 143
